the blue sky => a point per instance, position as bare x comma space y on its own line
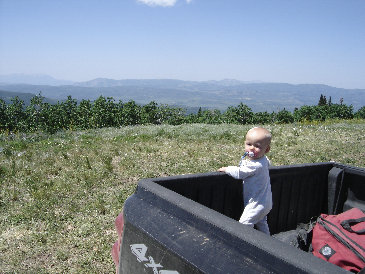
292, 41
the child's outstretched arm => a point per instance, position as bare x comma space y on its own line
239, 172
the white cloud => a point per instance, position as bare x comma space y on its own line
163, 3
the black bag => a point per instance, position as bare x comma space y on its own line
300, 238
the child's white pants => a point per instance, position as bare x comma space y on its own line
256, 216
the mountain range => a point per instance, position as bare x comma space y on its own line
259, 96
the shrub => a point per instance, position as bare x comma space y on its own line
284, 117
241, 114
360, 114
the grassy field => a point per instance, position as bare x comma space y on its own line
60, 194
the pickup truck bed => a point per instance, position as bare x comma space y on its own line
188, 223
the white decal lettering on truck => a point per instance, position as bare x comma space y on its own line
140, 250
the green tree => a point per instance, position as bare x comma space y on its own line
131, 113
15, 115
340, 111
69, 113
3, 115
84, 114
172, 116
241, 114
360, 114
304, 113
104, 113
263, 117
210, 117
284, 117
199, 114
47, 121
34, 118
150, 113
322, 100
60, 116
55, 117
329, 101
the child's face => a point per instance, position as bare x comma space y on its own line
257, 143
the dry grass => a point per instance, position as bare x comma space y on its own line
60, 194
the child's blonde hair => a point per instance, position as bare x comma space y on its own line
266, 132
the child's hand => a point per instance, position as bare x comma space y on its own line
222, 169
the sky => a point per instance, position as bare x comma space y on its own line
291, 41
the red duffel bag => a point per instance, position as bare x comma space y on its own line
340, 239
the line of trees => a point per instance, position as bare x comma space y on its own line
105, 112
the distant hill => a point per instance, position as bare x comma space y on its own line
25, 97
7, 96
32, 79
193, 94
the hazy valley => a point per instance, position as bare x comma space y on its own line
190, 94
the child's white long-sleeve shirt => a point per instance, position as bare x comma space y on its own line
256, 182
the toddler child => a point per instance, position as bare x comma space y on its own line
254, 171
